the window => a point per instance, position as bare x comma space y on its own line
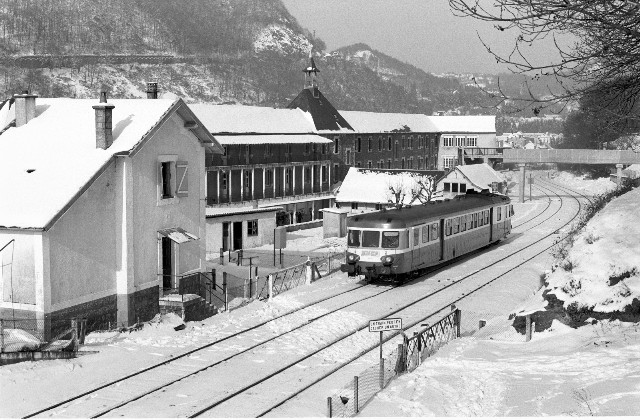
463, 188
420, 142
404, 143
410, 142
447, 141
448, 162
353, 238
475, 220
268, 177
336, 145
454, 187
223, 180
416, 236
324, 173
358, 164
390, 142
370, 238
402, 163
379, 143
456, 225
324, 149
425, 233
354, 206
472, 141
307, 148
267, 150
447, 227
347, 159
225, 150
463, 223
166, 179
390, 239
389, 164
369, 164
447, 187
369, 146
395, 153
480, 219
434, 231
486, 217
460, 141
359, 144
307, 175
252, 227
498, 214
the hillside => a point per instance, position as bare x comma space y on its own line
242, 51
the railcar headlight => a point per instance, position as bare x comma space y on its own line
387, 259
353, 258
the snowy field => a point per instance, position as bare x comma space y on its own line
560, 372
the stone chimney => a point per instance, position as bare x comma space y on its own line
104, 118
152, 90
25, 106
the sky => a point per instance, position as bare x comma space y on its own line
424, 33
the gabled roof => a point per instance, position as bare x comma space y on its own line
480, 124
47, 163
241, 119
480, 175
379, 122
363, 185
324, 115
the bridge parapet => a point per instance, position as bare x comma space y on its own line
585, 156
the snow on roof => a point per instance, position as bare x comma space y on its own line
380, 122
272, 139
44, 163
372, 186
464, 123
252, 119
482, 175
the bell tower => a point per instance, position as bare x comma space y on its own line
311, 77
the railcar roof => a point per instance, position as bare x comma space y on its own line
406, 217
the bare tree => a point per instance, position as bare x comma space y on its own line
408, 188
604, 56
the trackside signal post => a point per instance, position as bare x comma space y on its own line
382, 325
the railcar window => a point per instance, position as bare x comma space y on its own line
456, 225
511, 212
447, 227
499, 215
354, 237
463, 223
390, 239
416, 237
469, 221
475, 220
486, 217
425, 233
370, 238
434, 231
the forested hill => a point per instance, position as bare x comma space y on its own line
244, 51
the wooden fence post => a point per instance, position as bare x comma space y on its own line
400, 364
528, 327
1, 335
458, 322
270, 280
329, 406
74, 333
355, 394
308, 272
224, 290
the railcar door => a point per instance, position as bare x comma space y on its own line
442, 235
491, 225
415, 248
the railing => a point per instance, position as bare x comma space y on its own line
483, 151
426, 342
202, 284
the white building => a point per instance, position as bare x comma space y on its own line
103, 206
463, 178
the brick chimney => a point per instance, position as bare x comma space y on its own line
25, 106
152, 90
104, 118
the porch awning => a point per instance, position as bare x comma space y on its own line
178, 235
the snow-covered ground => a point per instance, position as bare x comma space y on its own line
560, 372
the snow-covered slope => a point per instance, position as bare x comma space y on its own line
282, 40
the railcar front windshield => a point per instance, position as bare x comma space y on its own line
353, 239
390, 239
370, 239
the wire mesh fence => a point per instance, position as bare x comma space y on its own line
405, 358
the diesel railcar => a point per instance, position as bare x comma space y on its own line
395, 244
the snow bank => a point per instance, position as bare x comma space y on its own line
602, 270
582, 184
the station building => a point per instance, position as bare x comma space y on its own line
102, 211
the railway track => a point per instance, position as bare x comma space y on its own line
184, 368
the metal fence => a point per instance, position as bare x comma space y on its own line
405, 358
20, 335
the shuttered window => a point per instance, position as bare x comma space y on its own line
182, 177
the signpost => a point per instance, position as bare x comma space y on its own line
530, 184
382, 325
